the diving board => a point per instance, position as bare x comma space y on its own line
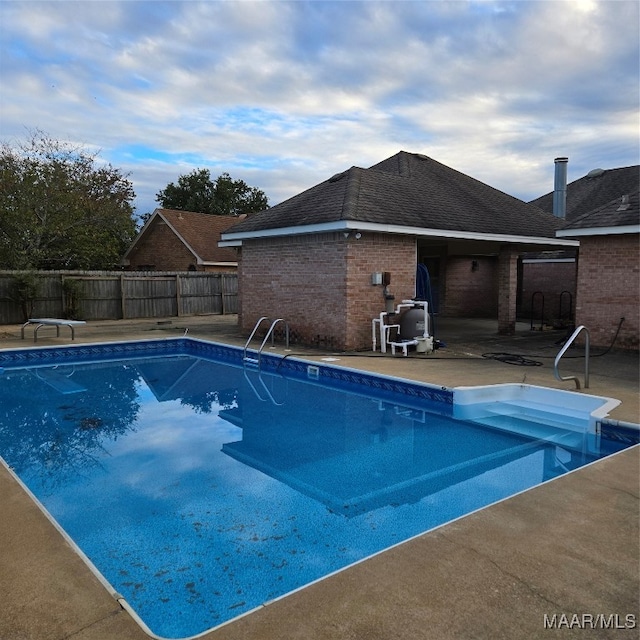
56, 322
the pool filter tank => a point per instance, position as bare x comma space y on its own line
412, 324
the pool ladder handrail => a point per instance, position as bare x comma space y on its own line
257, 361
562, 351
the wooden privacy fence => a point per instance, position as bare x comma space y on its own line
114, 295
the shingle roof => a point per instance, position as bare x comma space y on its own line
621, 212
594, 190
200, 232
407, 190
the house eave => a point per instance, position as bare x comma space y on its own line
139, 235
599, 231
235, 239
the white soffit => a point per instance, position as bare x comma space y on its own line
235, 239
599, 231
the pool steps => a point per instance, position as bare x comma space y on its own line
537, 412
542, 430
532, 419
563, 417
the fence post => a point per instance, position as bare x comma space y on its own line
178, 299
222, 285
122, 300
62, 294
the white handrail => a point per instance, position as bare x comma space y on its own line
253, 333
567, 344
270, 333
266, 337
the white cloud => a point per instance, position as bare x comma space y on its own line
284, 94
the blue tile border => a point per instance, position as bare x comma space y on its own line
383, 385
619, 433
42, 356
212, 351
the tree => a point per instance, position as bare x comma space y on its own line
196, 191
60, 208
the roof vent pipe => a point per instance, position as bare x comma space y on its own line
560, 188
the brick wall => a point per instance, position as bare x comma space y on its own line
471, 292
548, 281
298, 278
608, 289
376, 252
161, 248
321, 284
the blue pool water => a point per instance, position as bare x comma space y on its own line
201, 490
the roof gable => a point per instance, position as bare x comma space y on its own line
199, 232
407, 190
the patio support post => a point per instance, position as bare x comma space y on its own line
507, 290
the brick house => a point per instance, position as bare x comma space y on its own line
174, 240
549, 278
312, 258
608, 281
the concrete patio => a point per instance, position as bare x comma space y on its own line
567, 547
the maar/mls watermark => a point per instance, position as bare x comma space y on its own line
589, 621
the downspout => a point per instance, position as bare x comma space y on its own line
560, 188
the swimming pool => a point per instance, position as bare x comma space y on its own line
201, 490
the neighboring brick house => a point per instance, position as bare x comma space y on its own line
311, 258
608, 287
550, 278
174, 240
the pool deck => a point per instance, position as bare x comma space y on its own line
566, 548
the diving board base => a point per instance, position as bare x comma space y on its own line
54, 322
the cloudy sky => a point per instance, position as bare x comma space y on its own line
284, 94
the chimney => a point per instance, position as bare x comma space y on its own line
560, 188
